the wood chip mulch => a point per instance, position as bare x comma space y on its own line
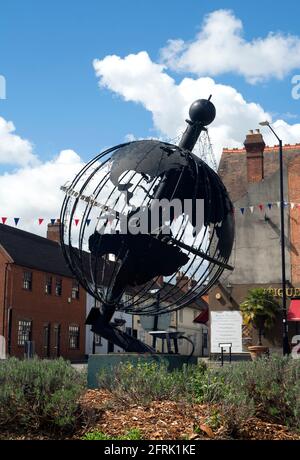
168, 420
160, 420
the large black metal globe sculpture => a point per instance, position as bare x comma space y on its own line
147, 209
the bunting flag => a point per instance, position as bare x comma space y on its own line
291, 206
261, 206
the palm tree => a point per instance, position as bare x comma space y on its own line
259, 310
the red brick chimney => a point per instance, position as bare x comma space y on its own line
53, 231
254, 145
182, 282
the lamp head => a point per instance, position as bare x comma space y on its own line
264, 123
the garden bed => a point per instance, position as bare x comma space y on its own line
49, 400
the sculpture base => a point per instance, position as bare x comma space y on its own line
98, 362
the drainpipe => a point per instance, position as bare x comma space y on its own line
4, 299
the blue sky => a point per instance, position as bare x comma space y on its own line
46, 53
56, 117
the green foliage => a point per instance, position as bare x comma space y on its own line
149, 381
259, 310
132, 435
38, 393
268, 387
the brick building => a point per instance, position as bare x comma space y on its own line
40, 301
251, 176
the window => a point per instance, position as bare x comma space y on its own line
204, 339
27, 280
74, 337
24, 332
181, 316
48, 284
97, 339
75, 289
58, 286
57, 340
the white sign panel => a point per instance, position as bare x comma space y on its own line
226, 328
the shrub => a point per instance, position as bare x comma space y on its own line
149, 381
132, 435
267, 387
38, 393
259, 310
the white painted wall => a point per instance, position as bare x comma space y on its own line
89, 336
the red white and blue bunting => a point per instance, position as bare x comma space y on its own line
266, 207
260, 207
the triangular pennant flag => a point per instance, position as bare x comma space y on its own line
88, 221
76, 221
4, 219
278, 204
242, 210
251, 209
52, 221
16, 219
286, 204
40, 221
292, 205
270, 205
261, 206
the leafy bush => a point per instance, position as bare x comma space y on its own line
132, 435
268, 387
38, 393
259, 310
149, 381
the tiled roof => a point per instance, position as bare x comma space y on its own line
33, 251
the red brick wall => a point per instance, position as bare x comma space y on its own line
294, 196
41, 309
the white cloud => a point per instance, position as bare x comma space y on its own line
136, 78
219, 48
34, 192
13, 149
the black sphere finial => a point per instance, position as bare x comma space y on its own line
202, 111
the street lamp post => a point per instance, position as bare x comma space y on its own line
285, 339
